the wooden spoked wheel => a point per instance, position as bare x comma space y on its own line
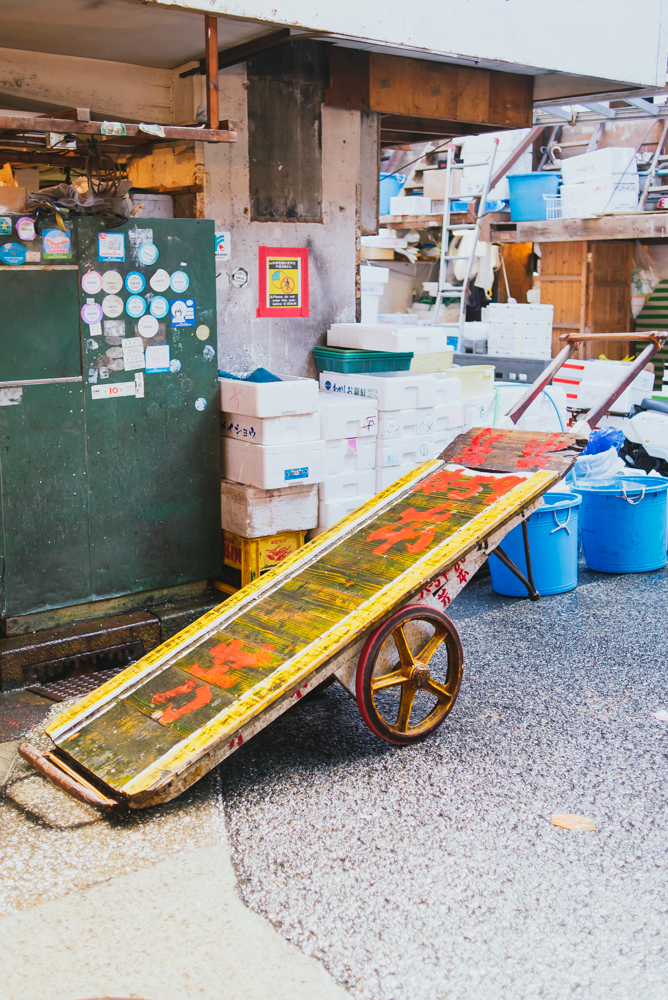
404, 690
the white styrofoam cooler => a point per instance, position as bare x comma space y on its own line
448, 416
403, 451
609, 160
271, 430
391, 390
448, 386
388, 475
479, 410
585, 383
269, 399
412, 204
372, 286
275, 466
406, 423
251, 512
441, 439
599, 195
331, 511
347, 416
349, 455
383, 337
348, 484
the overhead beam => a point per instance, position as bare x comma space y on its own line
647, 106
211, 59
600, 109
40, 124
240, 53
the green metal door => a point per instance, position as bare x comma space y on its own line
45, 540
152, 424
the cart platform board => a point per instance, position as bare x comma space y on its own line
162, 723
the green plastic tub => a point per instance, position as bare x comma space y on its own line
344, 361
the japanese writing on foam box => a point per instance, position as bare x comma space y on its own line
351, 390
241, 432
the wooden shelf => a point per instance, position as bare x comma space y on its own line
642, 225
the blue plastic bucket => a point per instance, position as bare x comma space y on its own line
553, 546
623, 524
389, 187
526, 195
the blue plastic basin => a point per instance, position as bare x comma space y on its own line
526, 195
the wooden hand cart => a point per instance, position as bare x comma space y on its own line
362, 603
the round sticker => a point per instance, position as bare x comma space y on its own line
202, 332
112, 306
13, 253
25, 228
91, 313
159, 281
159, 307
135, 306
208, 352
179, 281
175, 365
147, 326
135, 282
91, 282
112, 282
148, 253
200, 403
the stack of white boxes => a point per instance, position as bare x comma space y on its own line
518, 330
428, 344
476, 154
270, 433
605, 180
348, 425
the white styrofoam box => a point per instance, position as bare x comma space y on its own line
372, 277
411, 204
536, 340
430, 362
586, 382
611, 160
479, 410
596, 196
392, 390
497, 312
347, 416
350, 455
474, 145
331, 511
403, 451
441, 439
271, 430
449, 386
152, 206
474, 379
352, 483
394, 424
382, 337
448, 416
590, 393
388, 475
252, 513
273, 467
269, 399
541, 415
504, 337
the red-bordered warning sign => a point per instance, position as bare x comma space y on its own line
283, 281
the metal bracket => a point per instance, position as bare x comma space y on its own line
509, 564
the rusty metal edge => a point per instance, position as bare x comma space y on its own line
49, 767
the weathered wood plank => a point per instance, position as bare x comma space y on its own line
513, 451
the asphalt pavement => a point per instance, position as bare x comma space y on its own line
434, 871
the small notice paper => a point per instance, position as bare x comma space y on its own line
157, 358
133, 353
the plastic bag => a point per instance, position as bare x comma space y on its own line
603, 439
602, 465
259, 375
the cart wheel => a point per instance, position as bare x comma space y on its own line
401, 697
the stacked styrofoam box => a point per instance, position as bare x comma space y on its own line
406, 418
412, 204
348, 426
271, 436
587, 382
372, 285
605, 180
519, 330
476, 153
386, 337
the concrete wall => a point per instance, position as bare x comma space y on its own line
597, 38
282, 345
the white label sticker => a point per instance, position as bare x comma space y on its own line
223, 246
112, 282
33, 257
147, 253
202, 332
91, 282
179, 281
139, 385
112, 306
147, 326
175, 365
112, 390
157, 358
200, 403
159, 281
133, 353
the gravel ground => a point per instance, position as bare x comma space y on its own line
434, 871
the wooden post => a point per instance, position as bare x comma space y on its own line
211, 58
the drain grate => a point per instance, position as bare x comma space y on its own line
75, 686
76, 676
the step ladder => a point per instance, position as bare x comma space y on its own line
659, 160
445, 290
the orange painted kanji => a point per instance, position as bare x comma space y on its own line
533, 456
406, 529
228, 656
171, 714
162, 696
479, 449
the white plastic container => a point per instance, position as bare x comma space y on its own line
344, 416
383, 337
474, 379
585, 383
448, 416
251, 512
269, 399
331, 511
403, 451
441, 439
273, 467
596, 196
448, 386
350, 455
388, 475
412, 204
610, 160
373, 281
479, 410
271, 430
432, 362
391, 390
347, 485
393, 424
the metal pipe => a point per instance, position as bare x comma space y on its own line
534, 390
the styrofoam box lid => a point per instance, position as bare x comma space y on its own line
385, 337
293, 394
611, 159
374, 275
351, 404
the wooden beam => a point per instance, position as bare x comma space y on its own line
534, 134
645, 225
39, 124
211, 59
